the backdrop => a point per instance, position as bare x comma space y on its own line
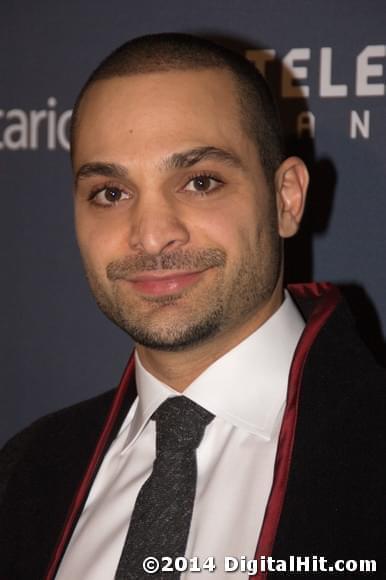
326, 62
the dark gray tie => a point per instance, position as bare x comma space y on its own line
161, 518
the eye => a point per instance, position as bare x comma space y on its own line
108, 196
203, 184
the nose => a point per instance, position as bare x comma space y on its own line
156, 226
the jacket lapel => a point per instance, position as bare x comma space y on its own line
327, 297
123, 399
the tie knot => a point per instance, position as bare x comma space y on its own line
180, 424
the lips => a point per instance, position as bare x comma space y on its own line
158, 284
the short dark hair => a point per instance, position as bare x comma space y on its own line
175, 51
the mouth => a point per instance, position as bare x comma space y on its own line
164, 283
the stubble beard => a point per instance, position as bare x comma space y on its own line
182, 321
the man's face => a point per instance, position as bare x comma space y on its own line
175, 220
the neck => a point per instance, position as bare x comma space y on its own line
179, 369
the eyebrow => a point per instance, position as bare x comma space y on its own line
104, 169
182, 160
190, 157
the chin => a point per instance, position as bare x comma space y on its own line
172, 338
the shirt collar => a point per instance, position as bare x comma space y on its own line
246, 387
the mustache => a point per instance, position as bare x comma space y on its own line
178, 260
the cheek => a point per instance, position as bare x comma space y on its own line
223, 226
236, 230
99, 233
97, 245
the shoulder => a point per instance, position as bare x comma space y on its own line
335, 354
50, 433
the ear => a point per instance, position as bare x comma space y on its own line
291, 182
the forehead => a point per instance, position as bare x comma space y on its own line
192, 108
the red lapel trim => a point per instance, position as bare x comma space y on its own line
327, 297
90, 473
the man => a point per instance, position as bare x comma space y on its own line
182, 200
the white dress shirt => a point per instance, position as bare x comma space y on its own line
246, 391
